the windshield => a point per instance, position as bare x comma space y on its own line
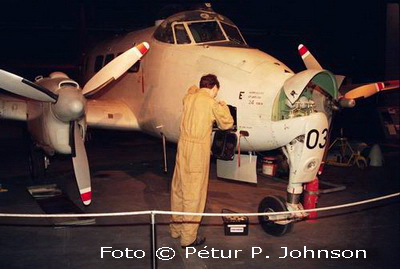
206, 31
233, 33
199, 27
181, 34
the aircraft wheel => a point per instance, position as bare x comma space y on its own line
37, 164
273, 204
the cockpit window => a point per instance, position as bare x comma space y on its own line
233, 33
181, 35
206, 31
199, 27
164, 33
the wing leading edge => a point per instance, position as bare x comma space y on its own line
12, 108
110, 114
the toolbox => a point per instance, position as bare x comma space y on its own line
235, 225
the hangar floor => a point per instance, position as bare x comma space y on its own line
127, 176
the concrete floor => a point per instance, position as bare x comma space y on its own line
127, 176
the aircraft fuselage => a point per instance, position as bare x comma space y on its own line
251, 80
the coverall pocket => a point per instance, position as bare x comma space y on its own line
194, 157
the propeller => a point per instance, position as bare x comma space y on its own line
68, 105
308, 59
23, 87
80, 162
371, 89
114, 69
363, 91
312, 63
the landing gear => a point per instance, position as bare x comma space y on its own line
37, 164
277, 225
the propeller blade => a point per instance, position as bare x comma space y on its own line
365, 90
339, 80
116, 68
308, 58
391, 85
80, 162
23, 87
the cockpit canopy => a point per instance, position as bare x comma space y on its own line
199, 27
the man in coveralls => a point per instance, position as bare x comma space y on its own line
190, 180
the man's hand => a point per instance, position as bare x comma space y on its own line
222, 103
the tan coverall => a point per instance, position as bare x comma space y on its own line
190, 180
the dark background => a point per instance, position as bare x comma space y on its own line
346, 36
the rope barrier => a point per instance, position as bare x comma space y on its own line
159, 212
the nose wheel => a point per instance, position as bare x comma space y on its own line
276, 225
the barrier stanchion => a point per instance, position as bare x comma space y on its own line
153, 240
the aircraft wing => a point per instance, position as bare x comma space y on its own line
110, 114
12, 108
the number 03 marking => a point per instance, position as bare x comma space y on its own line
313, 138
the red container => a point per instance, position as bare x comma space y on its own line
269, 166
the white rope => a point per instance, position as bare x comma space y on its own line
282, 212
118, 214
158, 212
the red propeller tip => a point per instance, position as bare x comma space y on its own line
379, 86
86, 197
143, 47
303, 50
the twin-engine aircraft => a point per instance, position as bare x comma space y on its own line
275, 108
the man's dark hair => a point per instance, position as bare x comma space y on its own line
209, 81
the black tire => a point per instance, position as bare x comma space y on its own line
273, 204
37, 165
